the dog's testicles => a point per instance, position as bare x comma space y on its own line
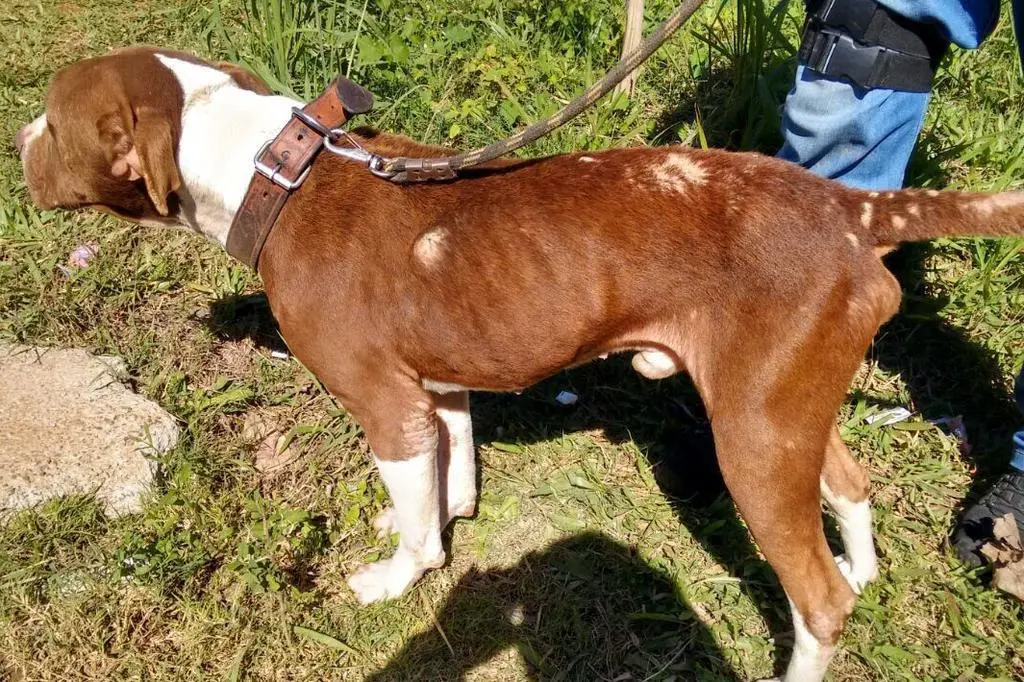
653, 364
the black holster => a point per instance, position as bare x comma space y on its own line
871, 46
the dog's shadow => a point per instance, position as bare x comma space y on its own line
584, 608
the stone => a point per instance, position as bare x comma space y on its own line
68, 426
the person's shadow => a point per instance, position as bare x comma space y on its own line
585, 608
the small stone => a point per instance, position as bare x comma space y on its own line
273, 454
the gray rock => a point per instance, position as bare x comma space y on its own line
68, 425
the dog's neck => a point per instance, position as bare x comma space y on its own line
222, 128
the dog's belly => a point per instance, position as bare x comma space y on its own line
650, 363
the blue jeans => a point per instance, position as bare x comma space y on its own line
864, 138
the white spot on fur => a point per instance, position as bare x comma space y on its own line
852, 238
866, 210
588, 159
32, 132
678, 172
899, 222
873, 195
429, 247
890, 195
931, 193
914, 210
987, 206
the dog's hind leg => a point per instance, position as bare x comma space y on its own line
773, 399
773, 474
845, 485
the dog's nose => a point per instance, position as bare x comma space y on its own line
19, 139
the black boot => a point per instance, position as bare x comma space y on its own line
1005, 497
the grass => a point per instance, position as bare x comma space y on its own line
583, 562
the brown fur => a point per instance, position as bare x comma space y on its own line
755, 276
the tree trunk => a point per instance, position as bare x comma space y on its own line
634, 33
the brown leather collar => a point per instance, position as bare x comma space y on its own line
284, 162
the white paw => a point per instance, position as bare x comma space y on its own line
462, 510
858, 579
386, 523
384, 579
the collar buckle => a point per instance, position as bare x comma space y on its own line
274, 174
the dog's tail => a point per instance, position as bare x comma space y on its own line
891, 218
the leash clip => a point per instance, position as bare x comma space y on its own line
376, 164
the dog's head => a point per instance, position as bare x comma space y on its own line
109, 136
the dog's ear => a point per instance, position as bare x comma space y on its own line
141, 146
245, 78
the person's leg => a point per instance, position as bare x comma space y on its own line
862, 138
1006, 496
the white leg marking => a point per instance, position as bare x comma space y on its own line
460, 474
442, 387
386, 523
859, 565
412, 484
810, 657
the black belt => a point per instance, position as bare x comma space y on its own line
871, 46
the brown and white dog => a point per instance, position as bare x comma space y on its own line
759, 279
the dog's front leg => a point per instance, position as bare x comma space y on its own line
404, 440
456, 463
457, 456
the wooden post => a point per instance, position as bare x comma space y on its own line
634, 33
